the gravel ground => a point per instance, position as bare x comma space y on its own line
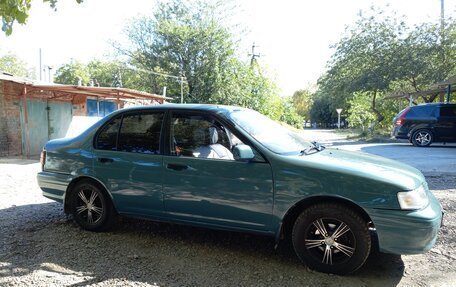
40, 246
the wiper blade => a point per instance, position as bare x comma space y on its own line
314, 147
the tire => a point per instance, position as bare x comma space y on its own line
422, 138
91, 207
319, 243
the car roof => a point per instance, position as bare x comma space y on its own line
435, 105
193, 107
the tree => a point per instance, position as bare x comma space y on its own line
72, 73
15, 66
424, 57
302, 102
380, 56
363, 60
18, 10
187, 39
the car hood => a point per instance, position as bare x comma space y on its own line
360, 164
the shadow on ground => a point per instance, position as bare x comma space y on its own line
39, 239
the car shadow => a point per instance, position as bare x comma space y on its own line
40, 239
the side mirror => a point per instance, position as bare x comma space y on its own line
243, 152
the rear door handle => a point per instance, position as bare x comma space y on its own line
105, 160
176, 166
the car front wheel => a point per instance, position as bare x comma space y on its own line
91, 207
331, 238
422, 138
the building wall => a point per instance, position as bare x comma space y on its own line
12, 117
79, 105
3, 127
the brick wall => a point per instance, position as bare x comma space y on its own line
12, 113
3, 127
79, 105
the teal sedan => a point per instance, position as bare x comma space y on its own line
232, 168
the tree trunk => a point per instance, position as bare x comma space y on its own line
380, 117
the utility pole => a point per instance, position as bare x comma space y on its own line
442, 28
254, 55
41, 65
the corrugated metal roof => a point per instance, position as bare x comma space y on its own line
104, 92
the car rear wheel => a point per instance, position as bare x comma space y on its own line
422, 138
91, 207
331, 238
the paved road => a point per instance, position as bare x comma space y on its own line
438, 159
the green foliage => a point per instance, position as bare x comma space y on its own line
187, 38
290, 115
15, 66
302, 102
18, 10
360, 113
72, 73
378, 56
322, 110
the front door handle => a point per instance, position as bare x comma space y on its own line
176, 166
105, 160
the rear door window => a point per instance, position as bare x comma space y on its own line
448, 111
140, 133
421, 112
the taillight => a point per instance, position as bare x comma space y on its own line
401, 117
399, 122
42, 159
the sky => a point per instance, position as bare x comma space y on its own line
293, 37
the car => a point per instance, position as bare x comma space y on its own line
232, 168
427, 123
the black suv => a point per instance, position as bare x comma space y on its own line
427, 123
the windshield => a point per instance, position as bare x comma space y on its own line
269, 133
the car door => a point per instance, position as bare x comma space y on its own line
203, 184
128, 160
446, 129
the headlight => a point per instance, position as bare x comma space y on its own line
414, 199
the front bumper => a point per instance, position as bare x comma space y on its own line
54, 185
408, 232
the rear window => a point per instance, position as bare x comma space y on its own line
421, 111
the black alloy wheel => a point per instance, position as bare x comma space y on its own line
331, 238
422, 138
91, 207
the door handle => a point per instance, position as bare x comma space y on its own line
176, 166
105, 160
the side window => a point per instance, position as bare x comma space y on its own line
107, 138
448, 111
140, 133
421, 111
199, 136
204, 137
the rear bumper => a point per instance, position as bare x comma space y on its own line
54, 185
399, 133
408, 232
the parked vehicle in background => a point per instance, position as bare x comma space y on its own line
425, 124
235, 169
